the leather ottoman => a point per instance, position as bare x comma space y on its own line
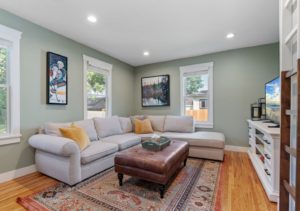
157, 167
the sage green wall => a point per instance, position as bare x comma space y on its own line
35, 42
239, 78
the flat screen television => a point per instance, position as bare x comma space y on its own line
272, 89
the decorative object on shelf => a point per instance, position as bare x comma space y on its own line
156, 91
255, 111
57, 79
155, 143
262, 103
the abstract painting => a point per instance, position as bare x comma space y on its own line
57, 79
156, 91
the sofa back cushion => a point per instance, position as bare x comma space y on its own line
89, 127
126, 124
108, 126
157, 122
52, 128
181, 124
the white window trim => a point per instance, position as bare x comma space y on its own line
198, 68
104, 66
14, 37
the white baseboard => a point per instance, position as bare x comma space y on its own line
10, 175
236, 148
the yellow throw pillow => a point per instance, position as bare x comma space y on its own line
142, 126
77, 134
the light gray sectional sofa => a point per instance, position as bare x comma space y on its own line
60, 157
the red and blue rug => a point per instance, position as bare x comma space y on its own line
196, 187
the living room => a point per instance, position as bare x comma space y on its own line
109, 105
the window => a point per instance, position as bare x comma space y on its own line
197, 93
9, 85
97, 88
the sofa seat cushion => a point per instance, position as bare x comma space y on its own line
123, 141
148, 135
200, 139
97, 150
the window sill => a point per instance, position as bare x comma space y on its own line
10, 139
204, 125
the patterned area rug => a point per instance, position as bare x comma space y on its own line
196, 187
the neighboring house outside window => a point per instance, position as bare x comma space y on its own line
196, 84
9, 85
97, 88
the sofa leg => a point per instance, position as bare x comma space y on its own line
120, 176
184, 162
162, 189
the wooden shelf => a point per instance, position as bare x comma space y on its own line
290, 112
291, 151
290, 74
290, 35
290, 189
289, 3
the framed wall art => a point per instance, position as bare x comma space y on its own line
57, 79
155, 91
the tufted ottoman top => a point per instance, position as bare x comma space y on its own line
159, 162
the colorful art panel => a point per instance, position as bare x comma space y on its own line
57, 79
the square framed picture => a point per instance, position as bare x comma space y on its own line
155, 91
57, 79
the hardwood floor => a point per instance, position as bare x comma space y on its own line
242, 189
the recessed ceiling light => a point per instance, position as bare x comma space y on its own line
146, 53
230, 35
92, 19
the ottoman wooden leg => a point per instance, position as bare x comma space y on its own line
120, 176
162, 189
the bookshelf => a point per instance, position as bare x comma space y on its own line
264, 148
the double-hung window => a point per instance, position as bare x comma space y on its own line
97, 88
196, 84
9, 85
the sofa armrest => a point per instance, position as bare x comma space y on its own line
54, 144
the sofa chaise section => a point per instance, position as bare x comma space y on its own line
208, 145
123, 141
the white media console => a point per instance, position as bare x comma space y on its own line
264, 152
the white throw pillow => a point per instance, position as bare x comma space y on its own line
89, 127
125, 124
157, 122
52, 128
107, 126
181, 124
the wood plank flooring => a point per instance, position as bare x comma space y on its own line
242, 189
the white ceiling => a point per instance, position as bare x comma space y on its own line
168, 29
